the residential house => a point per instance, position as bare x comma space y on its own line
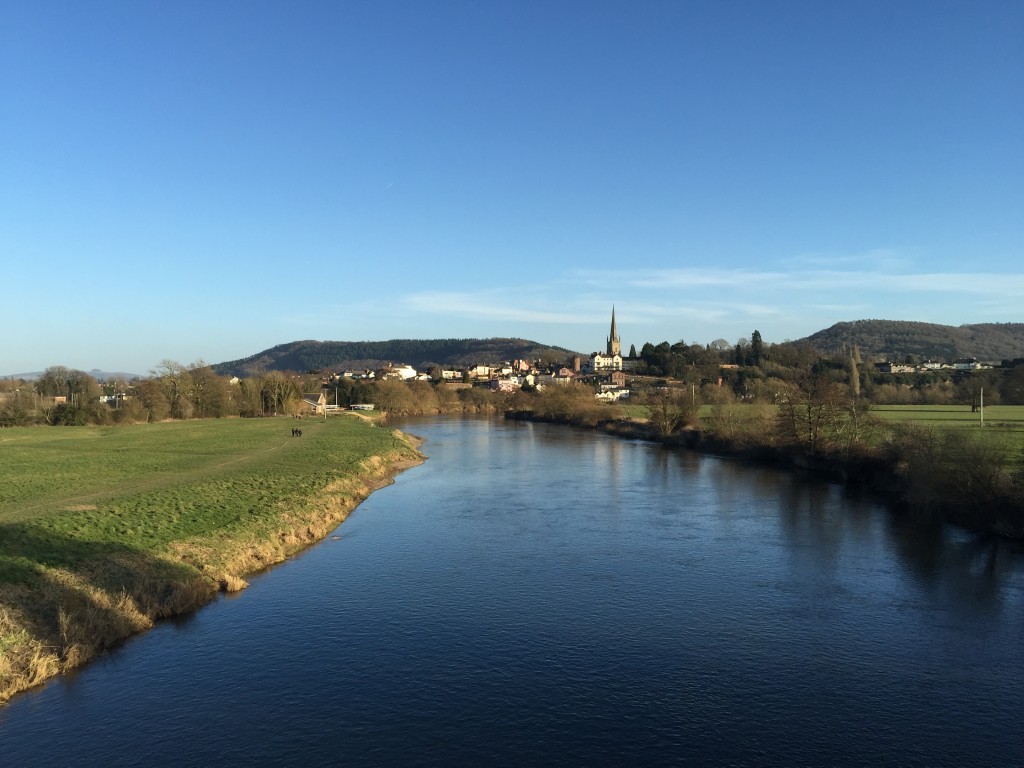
888, 367
602, 363
509, 384
315, 402
403, 372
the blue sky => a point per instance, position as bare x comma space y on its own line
203, 180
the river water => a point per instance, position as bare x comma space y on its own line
536, 595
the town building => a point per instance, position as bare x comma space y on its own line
611, 360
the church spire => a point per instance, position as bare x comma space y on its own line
614, 347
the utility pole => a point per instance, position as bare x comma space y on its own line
982, 396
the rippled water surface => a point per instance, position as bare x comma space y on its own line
533, 595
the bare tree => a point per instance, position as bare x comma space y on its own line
672, 409
280, 394
176, 382
807, 408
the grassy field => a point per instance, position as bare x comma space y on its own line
104, 529
1003, 416
633, 411
1003, 427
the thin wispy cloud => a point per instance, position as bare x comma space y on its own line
572, 307
655, 280
981, 283
697, 278
489, 305
840, 310
328, 315
876, 259
702, 303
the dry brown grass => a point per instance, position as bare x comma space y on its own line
69, 618
24, 660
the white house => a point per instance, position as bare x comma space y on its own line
604, 363
967, 364
509, 384
403, 372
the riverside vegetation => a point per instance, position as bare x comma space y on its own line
104, 530
932, 460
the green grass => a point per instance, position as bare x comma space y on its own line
1003, 416
70, 494
634, 411
1004, 424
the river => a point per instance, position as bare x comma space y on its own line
537, 595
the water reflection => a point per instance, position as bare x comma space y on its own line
823, 522
545, 596
972, 571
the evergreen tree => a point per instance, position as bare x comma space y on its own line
756, 348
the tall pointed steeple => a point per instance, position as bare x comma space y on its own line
614, 347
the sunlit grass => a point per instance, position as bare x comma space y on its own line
1008, 416
55, 474
1003, 425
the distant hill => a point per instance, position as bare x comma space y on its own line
301, 356
96, 373
895, 339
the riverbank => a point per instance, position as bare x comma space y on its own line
104, 531
946, 476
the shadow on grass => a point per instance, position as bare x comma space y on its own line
63, 600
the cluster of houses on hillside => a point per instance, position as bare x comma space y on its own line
963, 364
607, 370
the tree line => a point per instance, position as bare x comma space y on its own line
757, 372
69, 397
749, 372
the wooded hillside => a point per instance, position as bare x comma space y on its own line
895, 339
304, 356
877, 340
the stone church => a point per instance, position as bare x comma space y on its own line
612, 359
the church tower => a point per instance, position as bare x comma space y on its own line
614, 347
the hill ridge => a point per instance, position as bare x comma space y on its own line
877, 340
309, 354
895, 339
